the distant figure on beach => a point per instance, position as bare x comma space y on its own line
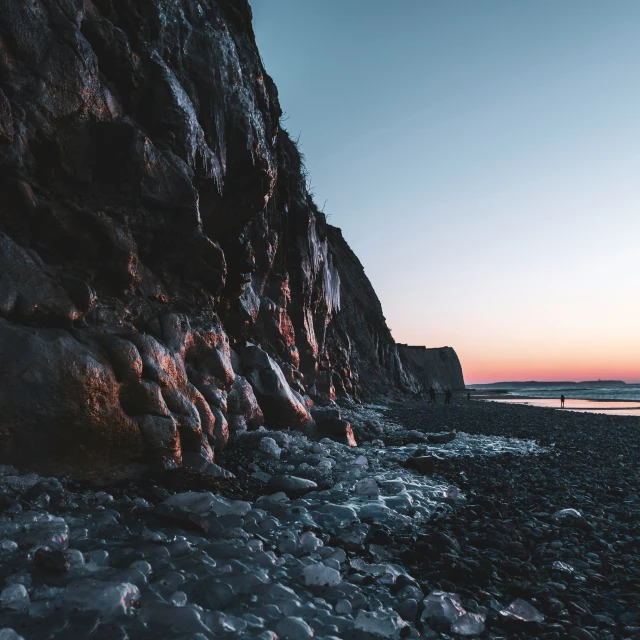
468, 396
562, 400
447, 396
432, 395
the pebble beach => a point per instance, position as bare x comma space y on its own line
473, 519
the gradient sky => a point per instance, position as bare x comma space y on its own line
483, 161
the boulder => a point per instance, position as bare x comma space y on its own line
281, 406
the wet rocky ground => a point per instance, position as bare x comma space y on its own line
581, 571
523, 524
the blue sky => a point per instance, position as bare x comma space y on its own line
483, 161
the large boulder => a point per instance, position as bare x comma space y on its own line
282, 407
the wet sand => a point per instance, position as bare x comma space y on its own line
603, 406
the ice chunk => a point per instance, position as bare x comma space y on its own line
309, 542
441, 609
361, 461
291, 485
367, 487
343, 607
107, 598
380, 623
9, 634
206, 503
320, 574
8, 545
288, 542
15, 598
293, 628
567, 514
522, 610
269, 446
562, 566
469, 624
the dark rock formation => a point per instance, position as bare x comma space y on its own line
439, 368
165, 278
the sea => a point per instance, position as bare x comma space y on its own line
608, 397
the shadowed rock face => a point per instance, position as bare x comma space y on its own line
439, 368
164, 275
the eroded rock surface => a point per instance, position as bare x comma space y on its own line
165, 278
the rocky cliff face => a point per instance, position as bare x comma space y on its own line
165, 278
439, 367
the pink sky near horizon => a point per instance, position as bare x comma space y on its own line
482, 161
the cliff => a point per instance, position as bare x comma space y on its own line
165, 278
439, 368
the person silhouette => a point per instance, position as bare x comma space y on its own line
447, 396
562, 400
432, 395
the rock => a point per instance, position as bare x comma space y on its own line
331, 425
279, 403
441, 438
53, 561
291, 485
422, 464
241, 400
580, 634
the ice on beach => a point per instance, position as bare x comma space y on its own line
309, 542
367, 487
380, 623
441, 607
15, 598
568, 514
469, 624
205, 503
562, 566
269, 447
106, 598
522, 610
320, 574
293, 628
8, 545
9, 634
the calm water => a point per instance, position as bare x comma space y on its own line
612, 400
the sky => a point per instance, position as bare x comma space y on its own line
483, 161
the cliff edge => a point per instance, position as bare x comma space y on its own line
165, 278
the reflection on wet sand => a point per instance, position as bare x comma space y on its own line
609, 407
